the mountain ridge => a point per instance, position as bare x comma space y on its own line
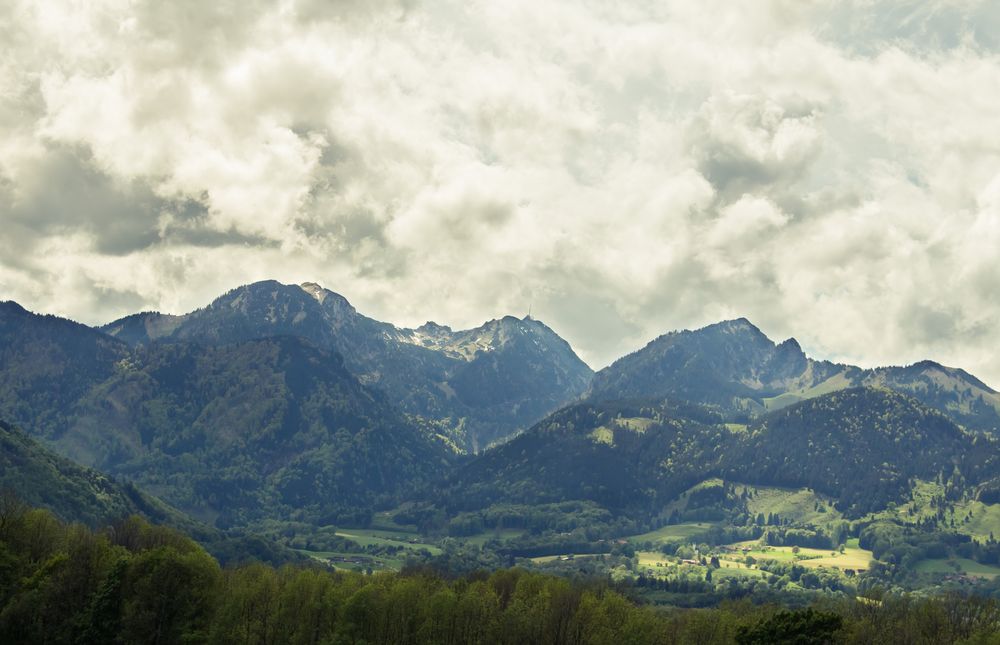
735, 368
427, 371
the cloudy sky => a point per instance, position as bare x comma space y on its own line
828, 169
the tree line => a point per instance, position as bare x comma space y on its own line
133, 582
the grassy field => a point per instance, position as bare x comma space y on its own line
659, 563
384, 520
853, 557
798, 505
603, 435
832, 384
735, 570
672, 533
984, 520
635, 424
957, 566
376, 537
552, 558
366, 537
376, 563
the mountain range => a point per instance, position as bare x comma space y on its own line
483, 384
283, 402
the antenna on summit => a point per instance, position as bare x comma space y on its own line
529, 312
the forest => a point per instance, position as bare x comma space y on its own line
135, 582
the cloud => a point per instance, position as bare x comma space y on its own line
823, 168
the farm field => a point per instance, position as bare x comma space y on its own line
853, 557
655, 561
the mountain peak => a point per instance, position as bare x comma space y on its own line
9, 306
735, 325
790, 345
314, 290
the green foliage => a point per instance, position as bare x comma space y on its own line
138, 583
135, 582
557, 460
806, 627
861, 446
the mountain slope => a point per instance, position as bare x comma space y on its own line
861, 446
489, 381
734, 368
730, 365
238, 432
46, 364
75, 493
228, 433
626, 456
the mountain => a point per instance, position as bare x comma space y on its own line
861, 446
235, 433
47, 363
231, 434
735, 369
627, 456
34, 476
484, 384
77, 494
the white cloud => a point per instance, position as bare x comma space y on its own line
825, 168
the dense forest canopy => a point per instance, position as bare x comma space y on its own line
135, 582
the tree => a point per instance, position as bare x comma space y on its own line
804, 627
168, 596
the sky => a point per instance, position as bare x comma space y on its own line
829, 169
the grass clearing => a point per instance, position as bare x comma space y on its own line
503, 535
602, 435
635, 424
958, 566
366, 537
672, 533
385, 520
562, 556
659, 564
833, 384
354, 561
798, 505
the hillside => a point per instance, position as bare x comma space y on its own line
229, 433
258, 428
46, 364
861, 447
74, 493
625, 456
484, 383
